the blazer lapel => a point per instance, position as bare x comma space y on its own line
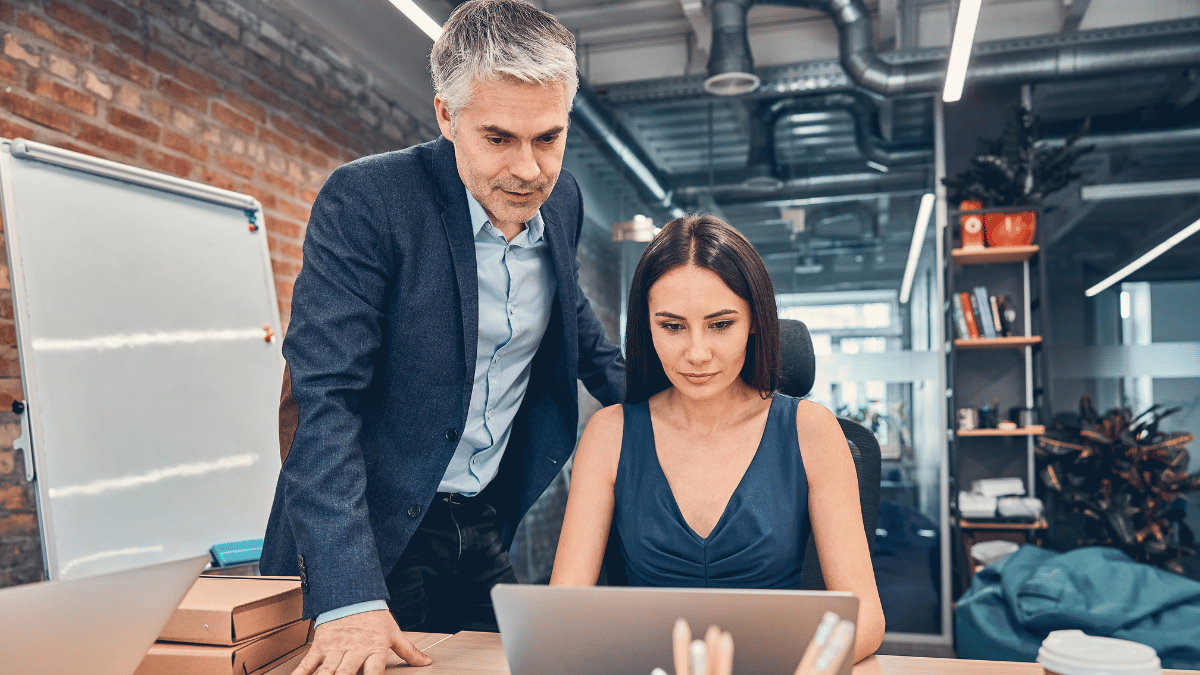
456, 219
559, 236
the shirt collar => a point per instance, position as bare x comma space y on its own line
479, 217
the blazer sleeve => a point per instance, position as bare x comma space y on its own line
335, 331
601, 365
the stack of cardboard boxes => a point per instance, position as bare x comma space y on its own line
231, 626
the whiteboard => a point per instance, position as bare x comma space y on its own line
150, 382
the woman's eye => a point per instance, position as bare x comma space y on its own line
722, 325
672, 327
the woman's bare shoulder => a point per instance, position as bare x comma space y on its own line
813, 416
600, 446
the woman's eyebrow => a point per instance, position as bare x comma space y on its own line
722, 312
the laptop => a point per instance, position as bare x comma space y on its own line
600, 630
99, 625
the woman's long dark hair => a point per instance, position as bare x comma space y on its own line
708, 242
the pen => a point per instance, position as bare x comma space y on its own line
681, 637
824, 629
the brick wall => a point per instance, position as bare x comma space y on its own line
224, 93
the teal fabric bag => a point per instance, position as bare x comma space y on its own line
1011, 606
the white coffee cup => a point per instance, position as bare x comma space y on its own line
1073, 652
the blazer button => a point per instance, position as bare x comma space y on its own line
452, 435
414, 511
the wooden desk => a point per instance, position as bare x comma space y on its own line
482, 654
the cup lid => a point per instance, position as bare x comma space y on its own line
1073, 652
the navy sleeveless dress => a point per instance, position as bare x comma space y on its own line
759, 540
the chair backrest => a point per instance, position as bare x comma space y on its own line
798, 363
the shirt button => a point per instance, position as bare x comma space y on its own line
452, 435
414, 511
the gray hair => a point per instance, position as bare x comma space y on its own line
501, 39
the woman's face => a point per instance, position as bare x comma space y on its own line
700, 328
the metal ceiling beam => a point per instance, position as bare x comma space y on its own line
1076, 10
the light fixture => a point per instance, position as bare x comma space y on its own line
1144, 258
418, 16
918, 241
960, 49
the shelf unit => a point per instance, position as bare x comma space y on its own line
1006, 367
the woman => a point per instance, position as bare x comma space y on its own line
705, 470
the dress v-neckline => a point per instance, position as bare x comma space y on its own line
725, 511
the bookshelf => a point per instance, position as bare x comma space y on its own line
980, 370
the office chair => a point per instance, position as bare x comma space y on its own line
798, 363
798, 372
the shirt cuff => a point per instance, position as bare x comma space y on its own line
348, 610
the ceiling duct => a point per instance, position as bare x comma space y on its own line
874, 150
1043, 60
615, 141
730, 66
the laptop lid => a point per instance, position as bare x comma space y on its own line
99, 625
551, 630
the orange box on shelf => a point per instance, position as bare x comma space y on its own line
972, 225
222, 610
248, 656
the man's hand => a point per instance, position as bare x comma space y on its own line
343, 646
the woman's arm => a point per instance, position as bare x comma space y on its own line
836, 515
590, 502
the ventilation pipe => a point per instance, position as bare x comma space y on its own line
730, 66
615, 141
1038, 63
873, 149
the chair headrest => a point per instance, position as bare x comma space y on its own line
797, 360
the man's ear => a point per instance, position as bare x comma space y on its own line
443, 117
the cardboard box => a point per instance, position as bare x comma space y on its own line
175, 658
221, 610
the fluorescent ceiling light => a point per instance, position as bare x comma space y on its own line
1147, 257
960, 49
1156, 188
418, 16
918, 242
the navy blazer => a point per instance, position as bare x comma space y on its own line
381, 357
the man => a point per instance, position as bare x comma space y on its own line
437, 332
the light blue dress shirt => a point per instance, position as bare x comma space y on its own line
516, 295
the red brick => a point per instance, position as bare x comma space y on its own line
284, 288
6, 461
65, 95
153, 58
10, 129
284, 228
8, 337
187, 146
314, 158
165, 163
15, 497
201, 83
35, 112
268, 200
216, 179
183, 94
280, 182
246, 107
8, 71
322, 145
133, 124
308, 196
94, 135
237, 166
283, 247
278, 140
40, 28
115, 13
293, 211
15, 524
78, 21
262, 93
222, 113
285, 268
73, 147
6, 12
124, 68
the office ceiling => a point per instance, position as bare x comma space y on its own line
855, 164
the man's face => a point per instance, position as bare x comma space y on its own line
509, 142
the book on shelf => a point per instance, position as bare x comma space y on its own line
995, 303
960, 320
969, 314
987, 328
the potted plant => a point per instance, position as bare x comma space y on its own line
1117, 481
1012, 171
